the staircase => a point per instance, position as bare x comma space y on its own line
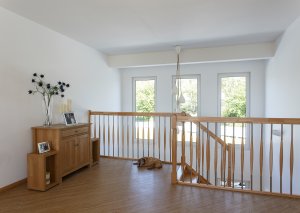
188, 174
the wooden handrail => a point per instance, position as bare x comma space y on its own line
210, 133
181, 118
162, 114
213, 135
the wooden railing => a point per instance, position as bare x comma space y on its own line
253, 155
239, 154
132, 135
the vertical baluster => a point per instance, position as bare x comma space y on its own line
165, 139
132, 135
224, 156
291, 159
170, 139
143, 138
108, 135
191, 150
127, 137
99, 130
159, 137
153, 136
223, 170
198, 152
233, 154
229, 175
104, 141
183, 148
118, 135
191, 144
271, 158
216, 157
207, 154
173, 126
138, 139
242, 157
148, 134
94, 126
251, 158
113, 136
281, 157
123, 136
202, 155
261, 156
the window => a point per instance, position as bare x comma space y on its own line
233, 102
144, 100
144, 94
190, 85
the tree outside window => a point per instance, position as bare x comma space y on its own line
233, 94
145, 96
233, 97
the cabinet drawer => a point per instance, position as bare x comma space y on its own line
74, 131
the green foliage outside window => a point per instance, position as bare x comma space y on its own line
145, 97
233, 97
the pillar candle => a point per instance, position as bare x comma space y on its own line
65, 108
61, 107
69, 105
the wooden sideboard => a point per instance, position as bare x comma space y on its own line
72, 144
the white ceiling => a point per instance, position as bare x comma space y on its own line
128, 26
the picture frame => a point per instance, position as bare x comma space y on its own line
43, 147
69, 118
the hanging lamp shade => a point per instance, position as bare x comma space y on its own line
181, 99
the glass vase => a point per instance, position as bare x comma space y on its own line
47, 107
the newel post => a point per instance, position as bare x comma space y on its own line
174, 150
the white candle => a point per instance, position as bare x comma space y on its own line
61, 108
69, 105
65, 108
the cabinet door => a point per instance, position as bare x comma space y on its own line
82, 150
67, 154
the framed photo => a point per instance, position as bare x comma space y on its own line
43, 147
70, 118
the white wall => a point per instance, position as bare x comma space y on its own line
282, 95
25, 48
209, 84
208, 97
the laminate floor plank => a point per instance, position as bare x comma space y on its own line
117, 186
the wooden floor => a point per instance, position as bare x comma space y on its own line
119, 186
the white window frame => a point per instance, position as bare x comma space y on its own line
226, 75
188, 76
134, 80
240, 74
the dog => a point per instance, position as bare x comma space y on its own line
149, 162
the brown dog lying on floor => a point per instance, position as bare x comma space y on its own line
149, 162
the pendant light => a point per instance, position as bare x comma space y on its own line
177, 89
